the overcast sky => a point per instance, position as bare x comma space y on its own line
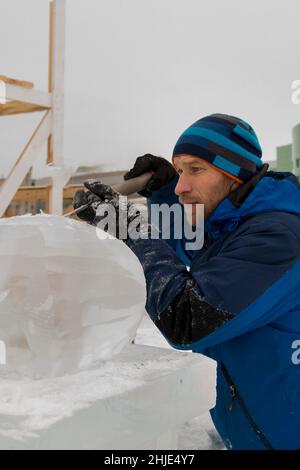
138, 72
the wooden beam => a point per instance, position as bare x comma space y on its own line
25, 95
17, 107
25, 161
51, 128
14, 81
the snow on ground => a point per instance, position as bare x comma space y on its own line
199, 433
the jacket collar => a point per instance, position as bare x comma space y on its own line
265, 192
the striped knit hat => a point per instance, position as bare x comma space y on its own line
226, 142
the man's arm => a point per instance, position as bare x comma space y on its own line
188, 306
209, 301
189, 318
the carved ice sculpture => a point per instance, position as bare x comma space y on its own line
67, 298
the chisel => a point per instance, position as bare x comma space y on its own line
125, 188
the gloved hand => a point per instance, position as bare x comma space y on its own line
163, 172
102, 199
81, 198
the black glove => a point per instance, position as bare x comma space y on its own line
163, 172
100, 194
81, 198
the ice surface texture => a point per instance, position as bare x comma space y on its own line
67, 299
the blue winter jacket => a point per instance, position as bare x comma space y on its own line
249, 270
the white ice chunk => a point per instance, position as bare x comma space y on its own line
137, 400
67, 299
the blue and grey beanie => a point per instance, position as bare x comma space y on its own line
226, 142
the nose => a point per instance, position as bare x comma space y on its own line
182, 186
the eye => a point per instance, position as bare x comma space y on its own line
196, 169
179, 171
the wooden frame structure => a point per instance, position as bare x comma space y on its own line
42, 193
18, 96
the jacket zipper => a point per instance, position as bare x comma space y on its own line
236, 396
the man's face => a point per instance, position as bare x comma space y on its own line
200, 183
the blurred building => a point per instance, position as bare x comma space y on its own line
34, 205
22, 207
288, 156
272, 164
84, 173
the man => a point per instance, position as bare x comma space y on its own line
240, 301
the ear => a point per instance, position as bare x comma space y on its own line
234, 186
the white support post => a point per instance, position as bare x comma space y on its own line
57, 88
25, 161
52, 125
